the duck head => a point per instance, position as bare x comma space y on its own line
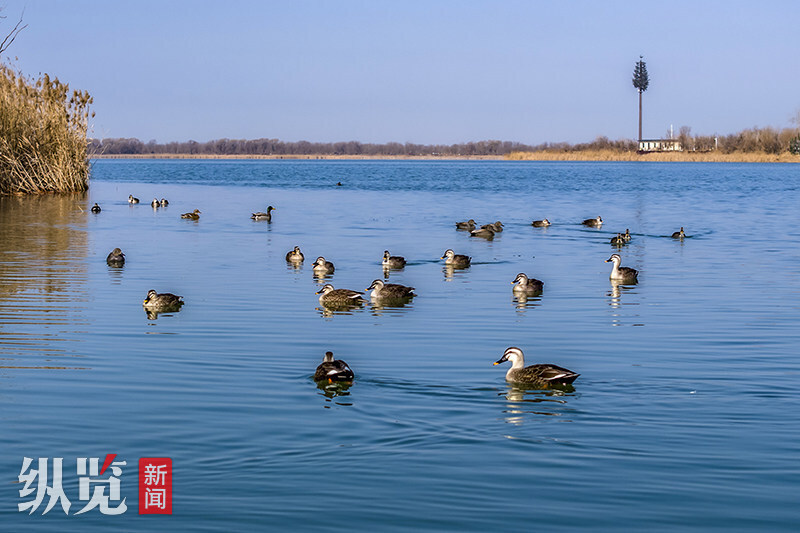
512, 354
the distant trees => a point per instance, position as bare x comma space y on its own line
641, 81
275, 147
768, 140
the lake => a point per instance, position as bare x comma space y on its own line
686, 413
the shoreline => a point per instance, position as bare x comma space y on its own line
589, 156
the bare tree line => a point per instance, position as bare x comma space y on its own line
767, 140
275, 147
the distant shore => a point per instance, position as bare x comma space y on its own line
591, 155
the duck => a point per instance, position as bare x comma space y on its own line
392, 261
679, 234
295, 256
627, 235
456, 260
486, 232
194, 215
115, 258
497, 227
525, 285
164, 202
468, 225
155, 203
618, 273
594, 222
543, 375
162, 301
540, 223
264, 216
96, 208
389, 290
618, 239
331, 296
322, 266
331, 370
132, 200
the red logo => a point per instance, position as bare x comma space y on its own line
155, 485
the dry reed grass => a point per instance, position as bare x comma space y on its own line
42, 135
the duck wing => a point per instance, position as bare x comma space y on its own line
549, 373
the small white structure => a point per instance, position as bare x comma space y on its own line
660, 145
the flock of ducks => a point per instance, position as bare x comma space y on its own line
331, 370
487, 231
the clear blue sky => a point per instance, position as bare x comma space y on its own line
416, 71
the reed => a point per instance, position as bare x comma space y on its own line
43, 129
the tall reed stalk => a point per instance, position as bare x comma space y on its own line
43, 129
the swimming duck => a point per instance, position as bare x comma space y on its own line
594, 222
543, 375
162, 301
390, 290
486, 232
468, 225
334, 297
540, 223
96, 208
132, 200
392, 261
679, 234
455, 260
618, 239
525, 285
264, 216
164, 202
194, 215
627, 235
155, 203
331, 370
322, 266
295, 256
115, 258
497, 227
625, 274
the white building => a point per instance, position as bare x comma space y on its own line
660, 145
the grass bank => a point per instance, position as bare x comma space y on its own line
298, 156
42, 135
614, 155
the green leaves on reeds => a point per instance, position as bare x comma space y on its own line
42, 135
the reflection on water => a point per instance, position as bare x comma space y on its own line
115, 273
153, 314
294, 265
615, 297
321, 277
328, 311
524, 401
451, 272
335, 390
43, 278
523, 301
391, 306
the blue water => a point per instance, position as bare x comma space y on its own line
686, 414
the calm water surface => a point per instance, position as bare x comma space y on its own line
686, 413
